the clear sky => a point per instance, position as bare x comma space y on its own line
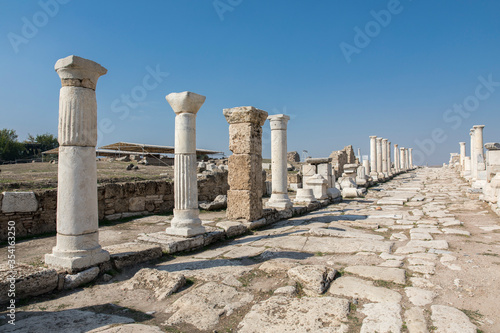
343, 70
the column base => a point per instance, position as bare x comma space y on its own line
76, 260
185, 223
279, 201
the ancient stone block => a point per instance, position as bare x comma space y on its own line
245, 172
244, 205
13, 202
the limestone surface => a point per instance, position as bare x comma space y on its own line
315, 278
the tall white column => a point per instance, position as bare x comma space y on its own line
186, 221
479, 151
473, 163
360, 158
279, 197
407, 159
402, 158
77, 244
410, 158
389, 164
384, 157
379, 157
396, 158
373, 156
462, 156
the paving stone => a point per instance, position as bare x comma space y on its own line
349, 286
163, 284
392, 263
204, 306
315, 278
71, 320
72, 281
344, 245
128, 254
127, 328
343, 234
277, 265
434, 244
296, 315
244, 251
419, 297
387, 256
409, 249
447, 319
381, 318
399, 236
287, 290
420, 236
207, 270
415, 320
396, 275
449, 231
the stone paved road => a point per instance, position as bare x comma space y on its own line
415, 255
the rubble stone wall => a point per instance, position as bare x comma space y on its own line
115, 201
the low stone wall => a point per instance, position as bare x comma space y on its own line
115, 201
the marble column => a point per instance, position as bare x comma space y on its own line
410, 157
389, 164
77, 246
384, 157
186, 221
373, 156
473, 163
402, 158
462, 156
244, 198
479, 151
279, 197
396, 158
407, 159
379, 158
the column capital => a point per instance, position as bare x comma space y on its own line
478, 127
278, 121
373, 136
245, 114
379, 139
79, 72
384, 140
185, 102
461, 143
396, 145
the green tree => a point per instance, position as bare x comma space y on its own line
40, 143
10, 148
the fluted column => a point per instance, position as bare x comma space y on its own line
186, 221
279, 197
410, 158
402, 158
462, 156
379, 158
373, 156
384, 157
473, 157
77, 245
396, 158
389, 164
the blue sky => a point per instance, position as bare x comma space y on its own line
402, 81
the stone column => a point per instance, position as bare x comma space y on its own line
410, 157
77, 244
389, 164
373, 156
384, 157
462, 156
186, 221
244, 198
279, 197
379, 157
479, 152
473, 164
360, 158
407, 159
402, 158
366, 165
396, 158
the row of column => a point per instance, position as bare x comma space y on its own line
380, 158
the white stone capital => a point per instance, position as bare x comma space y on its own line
185, 102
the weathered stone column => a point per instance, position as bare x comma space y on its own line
396, 158
473, 163
389, 164
379, 157
373, 156
279, 197
410, 157
402, 158
244, 198
407, 159
186, 221
384, 157
462, 156
479, 152
77, 244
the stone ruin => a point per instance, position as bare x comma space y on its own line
293, 156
